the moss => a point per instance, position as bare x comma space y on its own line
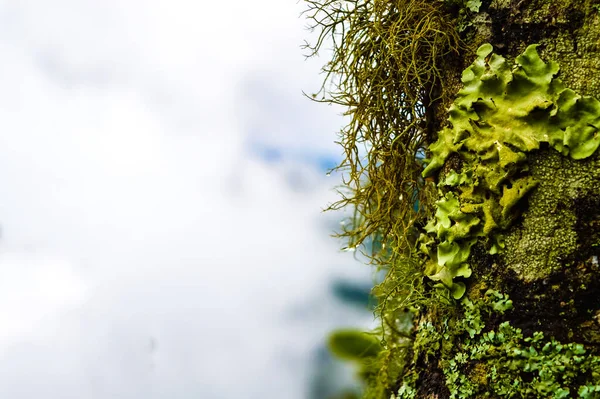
517, 365
516, 135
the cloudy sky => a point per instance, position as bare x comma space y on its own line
161, 187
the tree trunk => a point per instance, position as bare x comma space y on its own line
530, 315
493, 283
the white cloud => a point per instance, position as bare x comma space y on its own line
145, 252
31, 288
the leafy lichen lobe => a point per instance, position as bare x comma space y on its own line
500, 120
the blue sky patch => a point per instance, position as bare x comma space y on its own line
274, 154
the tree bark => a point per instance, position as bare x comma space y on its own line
549, 265
493, 283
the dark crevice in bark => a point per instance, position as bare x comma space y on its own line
561, 306
513, 28
431, 383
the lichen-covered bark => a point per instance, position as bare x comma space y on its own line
561, 217
556, 243
493, 251
567, 30
549, 264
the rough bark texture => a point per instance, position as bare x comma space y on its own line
549, 266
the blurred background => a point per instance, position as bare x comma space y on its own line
162, 181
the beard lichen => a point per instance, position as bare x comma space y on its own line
385, 71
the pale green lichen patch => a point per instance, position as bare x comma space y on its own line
501, 361
502, 116
547, 237
510, 364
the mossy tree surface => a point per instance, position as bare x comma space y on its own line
491, 244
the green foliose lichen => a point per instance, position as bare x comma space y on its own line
453, 229
502, 115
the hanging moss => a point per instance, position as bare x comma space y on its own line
385, 72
